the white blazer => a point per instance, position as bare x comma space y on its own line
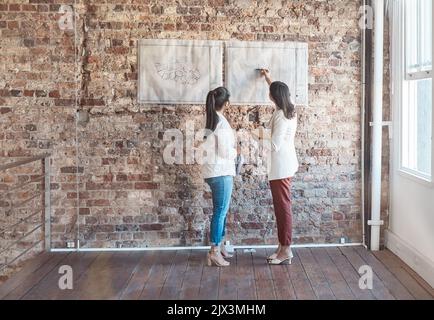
219, 151
282, 158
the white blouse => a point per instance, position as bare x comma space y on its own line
219, 151
282, 158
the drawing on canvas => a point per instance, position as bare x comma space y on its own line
178, 71
287, 62
183, 73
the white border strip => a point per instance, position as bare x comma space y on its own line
313, 245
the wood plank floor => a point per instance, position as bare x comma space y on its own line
317, 273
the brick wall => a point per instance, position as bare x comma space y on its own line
36, 116
127, 196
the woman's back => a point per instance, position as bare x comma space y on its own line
220, 151
283, 162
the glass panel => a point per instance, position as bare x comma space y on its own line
418, 35
412, 35
417, 127
426, 34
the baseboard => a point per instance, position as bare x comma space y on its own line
411, 256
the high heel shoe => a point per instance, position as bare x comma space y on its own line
215, 258
274, 255
287, 260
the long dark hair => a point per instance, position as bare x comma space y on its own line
215, 101
279, 91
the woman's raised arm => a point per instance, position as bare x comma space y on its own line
267, 75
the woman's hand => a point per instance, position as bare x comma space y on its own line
267, 75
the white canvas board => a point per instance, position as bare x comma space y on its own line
287, 62
178, 71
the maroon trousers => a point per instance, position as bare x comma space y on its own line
281, 191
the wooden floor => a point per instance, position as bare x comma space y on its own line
320, 273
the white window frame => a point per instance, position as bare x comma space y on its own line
399, 87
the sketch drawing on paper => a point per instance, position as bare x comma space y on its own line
178, 71
286, 61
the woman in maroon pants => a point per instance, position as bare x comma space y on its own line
282, 165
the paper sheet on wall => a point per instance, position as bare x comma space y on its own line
287, 62
178, 71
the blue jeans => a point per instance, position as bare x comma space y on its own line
221, 189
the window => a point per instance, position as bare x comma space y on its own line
417, 118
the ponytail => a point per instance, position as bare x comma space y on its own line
215, 101
211, 113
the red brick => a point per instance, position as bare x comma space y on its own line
5, 93
338, 216
169, 27
29, 93
14, 7
84, 212
146, 185
29, 7
71, 195
131, 76
108, 177
41, 1
267, 29
13, 25
251, 225
68, 186
181, 26
43, 8
54, 94
64, 102
98, 203
206, 27
151, 227
216, 3
92, 102
139, 177
72, 170
108, 161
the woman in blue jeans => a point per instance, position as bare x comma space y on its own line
219, 170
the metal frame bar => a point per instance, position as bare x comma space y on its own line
26, 201
46, 202
20, 239
40, 178
46, 217
21, 221
18, 163
20, 255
